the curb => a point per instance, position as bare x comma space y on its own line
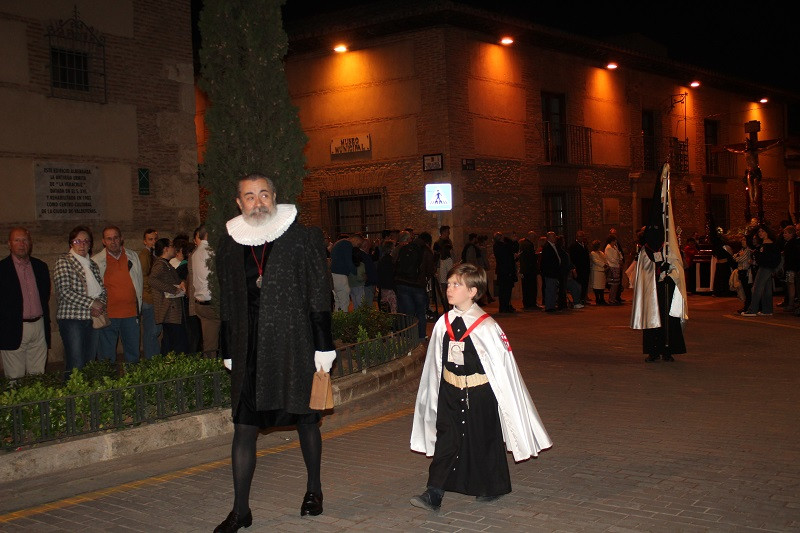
60, 456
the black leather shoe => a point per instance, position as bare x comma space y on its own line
652, 358
234, 522
427, 500
668, 358
312, 504
487, 499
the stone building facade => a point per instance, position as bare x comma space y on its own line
98, 108
536, 135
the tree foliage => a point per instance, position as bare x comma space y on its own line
253, 126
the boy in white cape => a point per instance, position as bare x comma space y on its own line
472, 403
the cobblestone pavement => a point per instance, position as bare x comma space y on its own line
708, 443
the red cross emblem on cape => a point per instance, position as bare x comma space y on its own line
505, 342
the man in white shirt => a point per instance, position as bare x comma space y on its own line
200, 292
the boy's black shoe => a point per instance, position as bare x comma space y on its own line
652, 358
487, 499
427, 500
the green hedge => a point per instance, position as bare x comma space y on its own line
114, 387
95, 398
364, 323
103, 375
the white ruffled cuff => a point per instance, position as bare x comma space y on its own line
324, 360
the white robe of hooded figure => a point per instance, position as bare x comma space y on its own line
644, 312
523, 430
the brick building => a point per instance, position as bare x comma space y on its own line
538, 134
98, 108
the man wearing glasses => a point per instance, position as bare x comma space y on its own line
122, 277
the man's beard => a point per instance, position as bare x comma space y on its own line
259, 216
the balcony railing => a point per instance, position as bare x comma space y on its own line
566, 144
721, 163
652, 152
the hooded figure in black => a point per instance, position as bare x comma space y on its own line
659, 294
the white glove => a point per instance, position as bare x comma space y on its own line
228, 363
324, 360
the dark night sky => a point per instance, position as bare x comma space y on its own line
736, 39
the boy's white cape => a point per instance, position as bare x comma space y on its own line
523, 431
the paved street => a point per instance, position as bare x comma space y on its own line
710, 442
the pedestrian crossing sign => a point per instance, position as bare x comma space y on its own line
438, 197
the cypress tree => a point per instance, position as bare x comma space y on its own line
253, 126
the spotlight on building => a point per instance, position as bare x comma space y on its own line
340, 48
611, 65
507, 41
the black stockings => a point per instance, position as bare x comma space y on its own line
243, 460
311, 446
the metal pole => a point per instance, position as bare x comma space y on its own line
665, 218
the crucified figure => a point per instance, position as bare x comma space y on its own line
752, 175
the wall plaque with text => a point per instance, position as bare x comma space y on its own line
351, 144
67, 191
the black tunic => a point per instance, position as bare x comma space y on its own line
654, 339
247, 413
470, 454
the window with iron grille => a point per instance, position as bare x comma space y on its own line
77, 61
554, 119
562, 210
711, 130
649, 146
358, 210
69, 69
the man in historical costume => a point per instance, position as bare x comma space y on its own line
659, 293
24, 312
275, 308
472, 404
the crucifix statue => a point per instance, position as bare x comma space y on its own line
752, 174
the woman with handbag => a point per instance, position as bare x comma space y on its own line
168, 291
81, 299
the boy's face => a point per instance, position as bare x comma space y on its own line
459, 294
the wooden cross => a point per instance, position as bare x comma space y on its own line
752, 175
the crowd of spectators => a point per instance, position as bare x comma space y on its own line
150, 301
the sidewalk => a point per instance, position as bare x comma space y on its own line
708, 443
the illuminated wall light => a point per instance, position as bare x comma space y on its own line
611, 65
695, 84
506, 41
764, 100
340, 48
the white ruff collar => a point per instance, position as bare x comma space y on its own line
457, 312
248, 235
